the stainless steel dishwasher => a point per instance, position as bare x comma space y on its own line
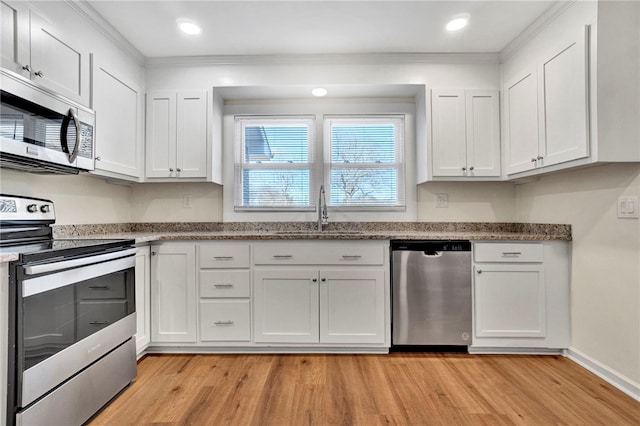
431, 293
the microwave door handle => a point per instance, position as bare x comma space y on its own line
64, 131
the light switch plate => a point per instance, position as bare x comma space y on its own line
628, 207
186, 202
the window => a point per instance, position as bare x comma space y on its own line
274, 165
278, 166
365, 156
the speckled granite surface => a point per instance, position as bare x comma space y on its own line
145, 232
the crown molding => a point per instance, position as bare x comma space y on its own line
89, 14
321, 59
534, 29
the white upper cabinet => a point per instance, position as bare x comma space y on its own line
39, 50
177, 135
564, 113
465, 133
118, 104
521, 104
547, 109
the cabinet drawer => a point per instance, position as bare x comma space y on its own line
318, 254
508, 252
225, 320
225, 283
224, 255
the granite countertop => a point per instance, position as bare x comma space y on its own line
148, 232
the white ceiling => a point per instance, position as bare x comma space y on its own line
318, 27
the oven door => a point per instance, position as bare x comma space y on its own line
70, 313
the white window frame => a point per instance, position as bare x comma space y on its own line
242, 121
398, 121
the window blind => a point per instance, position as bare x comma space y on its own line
274, 162
365, 159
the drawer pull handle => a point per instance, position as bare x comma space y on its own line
99, 322
229, 285
99, 287
351, 256
282, 256
511, 253
223, 323
223, 257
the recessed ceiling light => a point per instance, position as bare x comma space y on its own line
457, 23
319, 91
188, 27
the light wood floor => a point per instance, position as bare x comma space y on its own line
401, 389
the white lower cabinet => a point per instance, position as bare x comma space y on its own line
286, 306
521, 295
224, 281
143, 298
328, 293
173, 293
319, 306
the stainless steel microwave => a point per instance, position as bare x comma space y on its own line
41, 131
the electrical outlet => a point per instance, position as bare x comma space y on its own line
186, 202
442, 200
628, 207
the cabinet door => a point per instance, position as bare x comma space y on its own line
173, 293
118, 105
191, 153
352, 306
285, 306
143, 298
521, 105
161, 134
509, 301
14, 37
448, 148
58, 62
483, 133
564, 112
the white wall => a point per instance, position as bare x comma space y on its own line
78, 199
605, 284
165, 202
468, 202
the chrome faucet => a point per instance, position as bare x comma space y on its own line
323, 216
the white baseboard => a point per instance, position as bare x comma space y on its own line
611, 376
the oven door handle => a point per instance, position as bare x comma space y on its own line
74, 263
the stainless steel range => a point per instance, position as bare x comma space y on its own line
71, 318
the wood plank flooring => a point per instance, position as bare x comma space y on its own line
398, 389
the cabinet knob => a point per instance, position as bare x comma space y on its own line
479, 271
153, 253
323, 280
171, 169
26, 68
39, 74
98, 158
539, 157
464, 169
315, 280
533, 160
471, 168
178, 170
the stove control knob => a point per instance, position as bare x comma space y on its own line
45, 208
32, 208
